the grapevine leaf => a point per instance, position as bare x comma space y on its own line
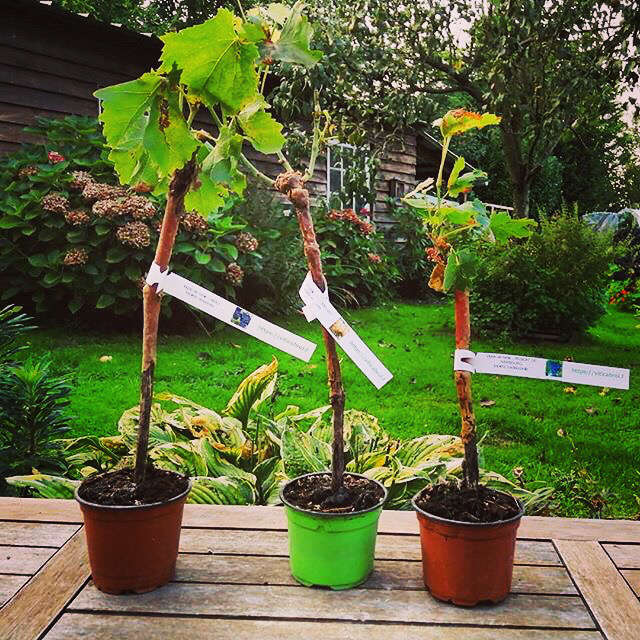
417, 203
167, 138
204, 196
460, 270
125, 116
465, 182
293, 45
455, 215
458, 121
455, 172
263, 131
221, 163
223, 71
503, 226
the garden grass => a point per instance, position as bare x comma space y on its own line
586, 444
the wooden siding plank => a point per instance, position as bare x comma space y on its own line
72, 626
389, 547
9, 586
46, 64
40, 601
632, 576
315, 604
10, 132
24, 116
611, 601
624, 556
388, 574
23, 560
50, 101
28, 534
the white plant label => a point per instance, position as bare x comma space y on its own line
504, 364
317, 306
231, 313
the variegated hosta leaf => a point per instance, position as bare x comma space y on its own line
222, 490
419, 450
533, 501
45, 486
218, 466
302, 453
184, 457
252, 392
159, 430
271, 478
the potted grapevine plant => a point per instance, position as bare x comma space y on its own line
467, 530
133, 516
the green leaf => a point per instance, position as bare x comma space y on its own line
458, 121
455, 172
105, 300
75, 304
249, 394
303, 453
204, 196
456, 215
222, 490
293, 45
202, 257
217, 266
262, 130
38, 260
125, 114
221, 162
222, 71
417, 203
461, 268
503, 226
116, 254
465, 182
46, 486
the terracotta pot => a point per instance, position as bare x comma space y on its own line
133, 548
467, 563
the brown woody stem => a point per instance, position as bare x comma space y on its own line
178, 188
470, 469
291, 184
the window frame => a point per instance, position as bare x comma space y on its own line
342, 169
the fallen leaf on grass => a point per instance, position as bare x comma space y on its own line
106, 358
604, 391
592, 411
488, 403
569, 389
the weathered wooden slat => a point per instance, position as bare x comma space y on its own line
388, 547
611, 601
21, 77
9, 586
23, 115
40, 601
42, 100
388, 574
72, 626
624, 556
361, 604
40, 510
259, 517
10, 132
28, 534
23, 560
632, 576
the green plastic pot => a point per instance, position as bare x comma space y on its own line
329, 549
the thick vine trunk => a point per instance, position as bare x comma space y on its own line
291, 184
521, 190
151, 309
470, 469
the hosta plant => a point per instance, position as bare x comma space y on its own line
244, 454
454, 231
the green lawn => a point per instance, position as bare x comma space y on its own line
596, 463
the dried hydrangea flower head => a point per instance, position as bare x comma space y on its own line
134, 234
75, 257
55, 202
246, 242
194, 223
79, 180
98, 191
77, 218
234, 274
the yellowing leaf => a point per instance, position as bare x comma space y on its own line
458, 121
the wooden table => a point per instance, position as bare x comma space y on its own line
573, 580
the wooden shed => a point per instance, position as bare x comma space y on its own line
51, 62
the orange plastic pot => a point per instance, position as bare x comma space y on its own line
133, 548
467, 563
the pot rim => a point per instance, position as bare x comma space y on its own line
129, 507
322, 514
462, 523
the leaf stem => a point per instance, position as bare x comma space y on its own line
445, 149
255, 172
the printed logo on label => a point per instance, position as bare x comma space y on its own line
339, 329
241, 317
553, 369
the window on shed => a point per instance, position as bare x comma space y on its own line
348, 176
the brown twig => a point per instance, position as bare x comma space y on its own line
291, 184
178, 188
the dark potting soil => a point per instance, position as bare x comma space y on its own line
119, 488
467, 505
313, 493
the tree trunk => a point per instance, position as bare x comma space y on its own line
521, 190
470, 469
178, 188
291, 184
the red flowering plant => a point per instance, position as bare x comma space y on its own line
355, 257
623, 294
454, 230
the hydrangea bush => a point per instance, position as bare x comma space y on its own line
73, 240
